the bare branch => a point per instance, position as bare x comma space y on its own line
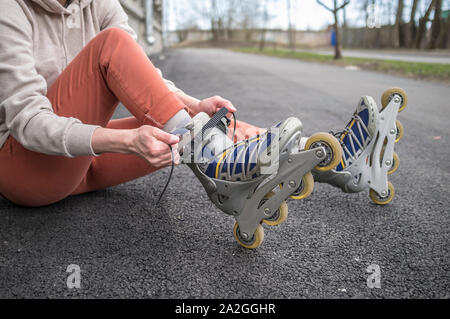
343, 5
324, 5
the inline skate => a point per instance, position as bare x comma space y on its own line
368, 148
251, 180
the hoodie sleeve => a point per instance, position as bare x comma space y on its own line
27, 112
115, 16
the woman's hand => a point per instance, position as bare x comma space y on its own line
152, 144
210, 105
213, 104
147, 142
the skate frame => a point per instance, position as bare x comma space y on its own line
371, 168
243, 199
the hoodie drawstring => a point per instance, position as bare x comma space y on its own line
83, 33
63, 33
64, 38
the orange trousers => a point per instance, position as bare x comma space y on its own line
111, 68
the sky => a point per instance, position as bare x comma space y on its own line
306, 14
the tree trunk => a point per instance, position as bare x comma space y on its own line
335, 10
445, 34
412, 24
400, 24
262, 43
291, 39
214, 31
423, 24
436, 27
337, 50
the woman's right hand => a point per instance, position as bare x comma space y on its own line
146, 141
152, 144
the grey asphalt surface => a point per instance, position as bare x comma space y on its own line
128, 247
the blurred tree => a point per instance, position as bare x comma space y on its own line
265, 21
225, 16
423, 24
291, 31
248, 16
335, 10
436, 26
400, 24
365, 9
214, 21
445, 37
412, 23
231, 13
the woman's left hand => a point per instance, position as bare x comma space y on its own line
213, 104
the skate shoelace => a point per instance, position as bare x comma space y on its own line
173, 163
170, 176
353, 139
230, 156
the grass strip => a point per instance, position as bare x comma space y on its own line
418, 70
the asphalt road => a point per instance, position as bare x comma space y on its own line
128, 247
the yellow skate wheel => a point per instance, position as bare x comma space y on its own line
305, 189
389, 94
279, 216
395, 164
251, 243
379, 200
400, 131
332, 147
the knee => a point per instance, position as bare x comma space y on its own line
111, 41
114, 35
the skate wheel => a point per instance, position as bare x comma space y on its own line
305, 189
251, 243
279, 216
389, 94
395, 164
400, 131
379, 200
333, 149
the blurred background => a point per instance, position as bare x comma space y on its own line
293, 24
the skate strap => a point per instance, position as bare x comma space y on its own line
212, 123
215, 120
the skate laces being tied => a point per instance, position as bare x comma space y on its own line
239, 162
354, 138
173, 162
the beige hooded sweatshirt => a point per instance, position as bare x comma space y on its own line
38, 39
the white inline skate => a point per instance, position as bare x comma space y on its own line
368, 148
252, 179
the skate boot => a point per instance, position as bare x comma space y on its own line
368, 148
251, 180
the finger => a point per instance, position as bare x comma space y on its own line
158, 149
166, 158
221, 102
161, 162
175, 150
177, 158
165, 137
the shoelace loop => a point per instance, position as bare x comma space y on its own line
340, 135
